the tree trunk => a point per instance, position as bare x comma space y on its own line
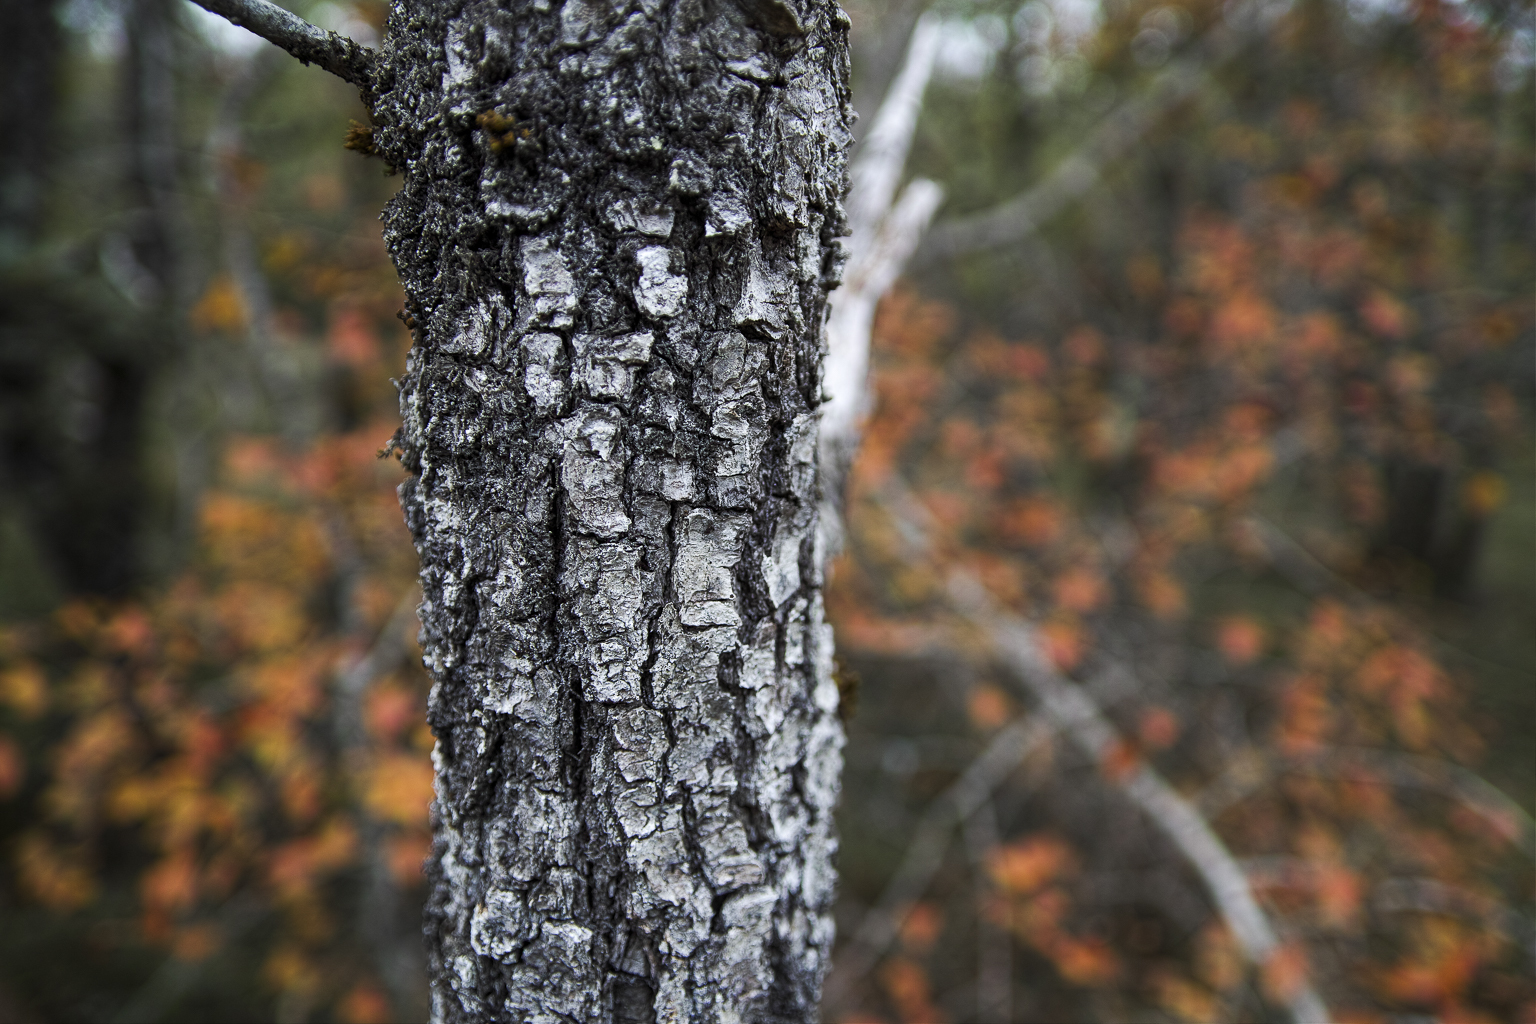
616, 235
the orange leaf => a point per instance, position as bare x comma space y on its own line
922, 926
1035, 521
908, 986
1158, 728
988, 707
365, 1004
350, 339
171, 884
13, 768
24, 688
1218, 961
196, 942
220, 308
1063, 642
1285, 972
1186, 1000
1022, 867
390, 710
1162, 595
52, 876
1087, 962
1338, 895
1120, 761
399, 788
1240, 639
1080, 589
407, 854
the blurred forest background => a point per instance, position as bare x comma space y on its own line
1217, 368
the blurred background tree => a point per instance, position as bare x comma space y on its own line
1216, 371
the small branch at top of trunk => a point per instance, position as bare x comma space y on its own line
335, 53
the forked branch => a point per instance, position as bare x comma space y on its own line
884, 232
1072, 711
337, 54
925, 854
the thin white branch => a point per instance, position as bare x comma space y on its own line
882, 239
1432, 896
223, 152
311, 44
1075, 713
387, 650
878, 165
869, 275
175, 976
1308, 574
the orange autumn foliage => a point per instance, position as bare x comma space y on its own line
1190, 462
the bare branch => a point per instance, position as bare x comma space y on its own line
869, 275
994, 947
1307, 573
882, 239
176, 976
223, 152
1432, 896
1251, 773
877, 167
311, 44
925, 854
1073, 712
1076, 714
1106, 143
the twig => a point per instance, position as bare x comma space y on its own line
350, 61
1432, 896
223, 151
1076, 715
386, 650
1308, 574
1073, 712
925, 854
176, 976
1107, 142
398, 963
994, 948
1251, 773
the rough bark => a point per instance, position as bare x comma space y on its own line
616, 235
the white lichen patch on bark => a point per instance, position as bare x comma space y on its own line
616, 233
659, 293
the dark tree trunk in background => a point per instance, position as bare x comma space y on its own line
156, 234
30, 38
76, 360
616, 235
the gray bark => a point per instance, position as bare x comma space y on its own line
616, 235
